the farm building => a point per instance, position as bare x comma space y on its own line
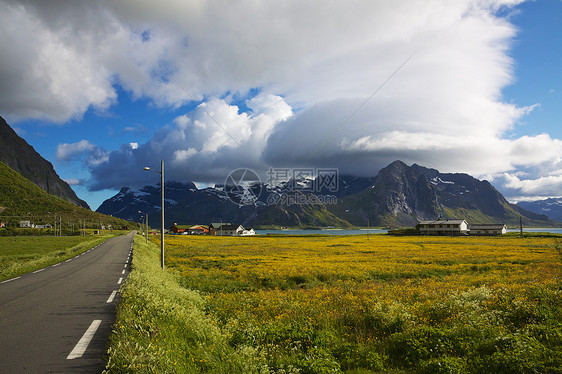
179, 229
450, 227
198, 230
27, 224
488, 229
225, 229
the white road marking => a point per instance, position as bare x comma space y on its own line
123, 272
68, 260
83, 343
38, 271
120, 281
9, 280
111, 297
125, 265
56, 265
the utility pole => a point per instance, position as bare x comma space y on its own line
161, 172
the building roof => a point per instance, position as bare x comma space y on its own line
216, 225
490, 226
443, 222
199, 227
229, 226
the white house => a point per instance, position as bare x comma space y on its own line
26, 224
488, 229
247, 232
449, 227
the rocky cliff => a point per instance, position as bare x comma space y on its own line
21, 157
400, 195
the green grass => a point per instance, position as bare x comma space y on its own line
162, 327
21, 199
500, 315
19, 255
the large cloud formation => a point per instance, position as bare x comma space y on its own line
350, 84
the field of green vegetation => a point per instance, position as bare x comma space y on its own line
332, 304
22, 254
21, 199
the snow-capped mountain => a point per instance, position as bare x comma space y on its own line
399, 195
552, 208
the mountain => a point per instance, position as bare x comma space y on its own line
185, 204
20, 199
552, 208
401, 195
21, 157
127, 203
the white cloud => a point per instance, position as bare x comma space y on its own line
134, 145
70, 151
350, 84
203, 145
544, 186
73, 181
83, 150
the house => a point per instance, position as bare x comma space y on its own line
26, 224
225, 229
247, 232
179, 229
450, 227
488, 229
198, 230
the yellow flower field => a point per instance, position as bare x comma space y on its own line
318, 304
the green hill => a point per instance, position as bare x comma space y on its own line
21, 199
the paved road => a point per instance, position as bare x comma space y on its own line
57, 320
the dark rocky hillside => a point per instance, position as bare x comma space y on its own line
185, 204
20, 199
400, 195
551, 208
21, 157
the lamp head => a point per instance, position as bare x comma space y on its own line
146, 168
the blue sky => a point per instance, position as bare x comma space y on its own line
102, 89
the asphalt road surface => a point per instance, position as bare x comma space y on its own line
57, 319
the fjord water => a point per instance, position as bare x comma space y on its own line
554, 230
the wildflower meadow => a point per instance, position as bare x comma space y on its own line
351, 304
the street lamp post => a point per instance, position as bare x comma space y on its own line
145, 225
161, 172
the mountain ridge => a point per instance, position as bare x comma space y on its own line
21, 157
21, 199
551, 207
400, 195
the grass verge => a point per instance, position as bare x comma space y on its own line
162, 327
19, 255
